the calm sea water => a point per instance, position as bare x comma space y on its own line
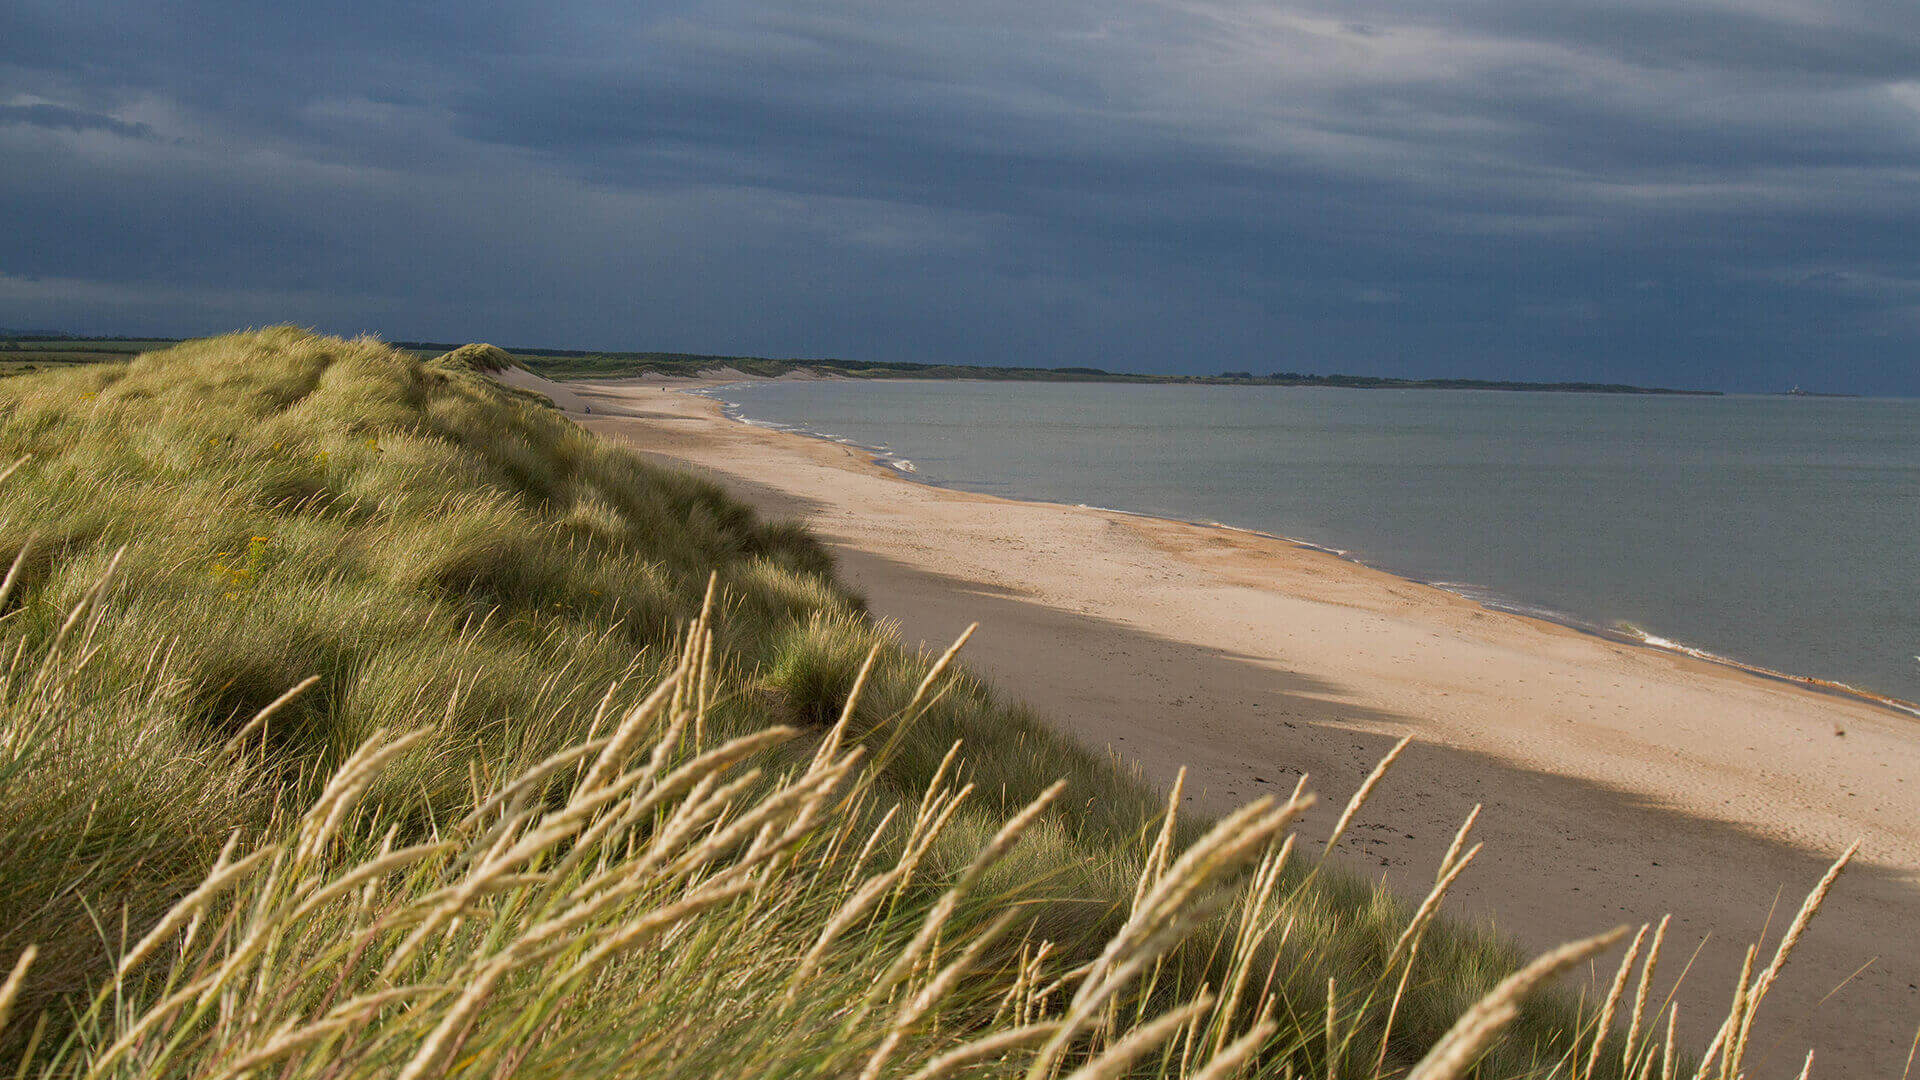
1779, 531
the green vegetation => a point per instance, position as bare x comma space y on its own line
361, 717
23, 354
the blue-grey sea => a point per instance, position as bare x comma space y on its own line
1779, 531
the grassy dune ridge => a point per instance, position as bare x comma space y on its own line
576, 781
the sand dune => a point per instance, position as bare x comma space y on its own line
1620, 783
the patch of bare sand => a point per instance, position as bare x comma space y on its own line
1620, 783
559, 393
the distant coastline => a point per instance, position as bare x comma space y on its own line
21, 350
575, 364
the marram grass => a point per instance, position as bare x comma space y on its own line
361, 718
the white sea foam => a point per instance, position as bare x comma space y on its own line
732, 410
1109, 510
1655, 641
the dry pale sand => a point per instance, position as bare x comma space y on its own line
1620, 783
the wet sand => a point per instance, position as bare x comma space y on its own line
1619, 782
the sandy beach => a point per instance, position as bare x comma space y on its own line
1619, 782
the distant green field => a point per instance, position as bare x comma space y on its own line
92, 346
19, 356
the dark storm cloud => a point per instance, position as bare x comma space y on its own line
1674, 192
60, 118
1840, 42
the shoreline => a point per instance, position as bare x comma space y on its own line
1642, 639
1619, 784
1636, 636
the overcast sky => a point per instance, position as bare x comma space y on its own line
1668, 191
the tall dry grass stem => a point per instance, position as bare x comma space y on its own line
10, 989
1477, 1027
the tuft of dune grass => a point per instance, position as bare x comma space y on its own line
478, 357
590, 771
